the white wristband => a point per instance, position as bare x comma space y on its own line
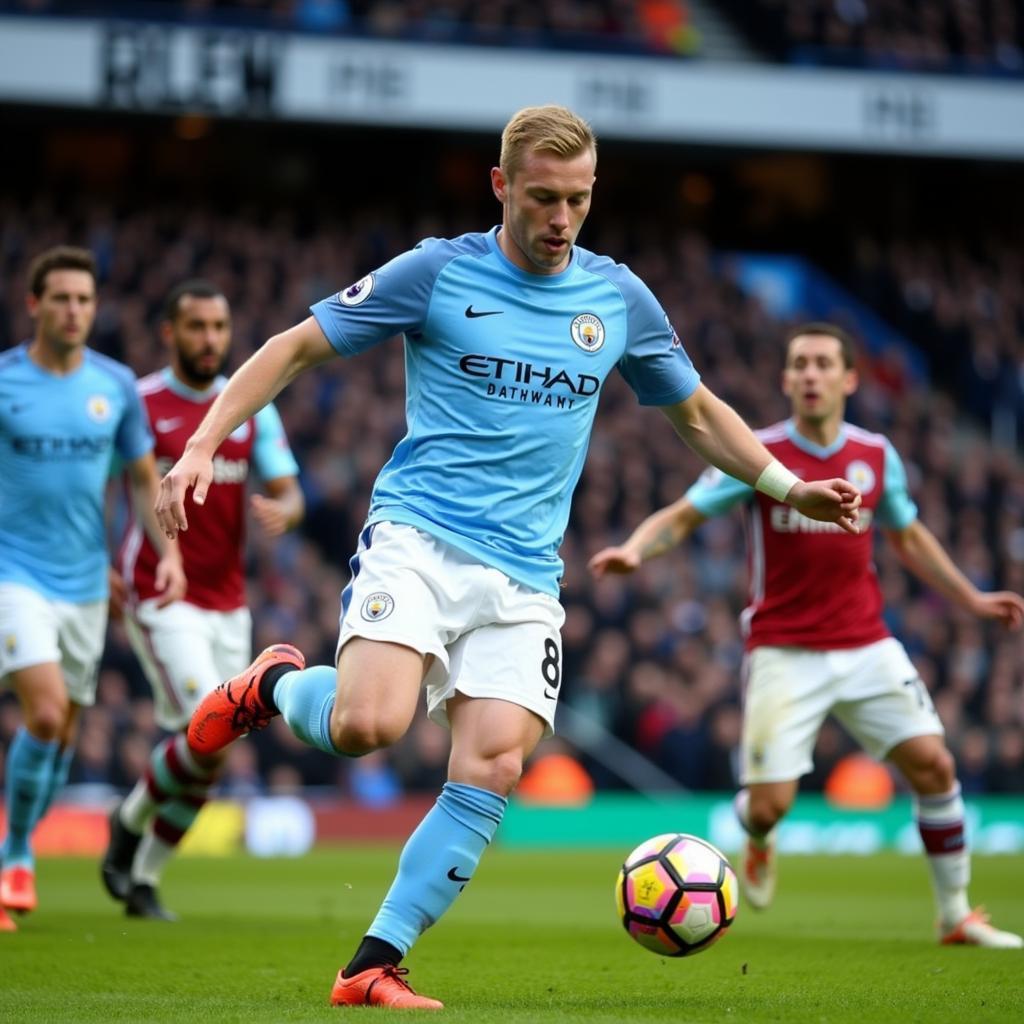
776, 481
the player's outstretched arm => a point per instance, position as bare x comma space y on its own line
718, 435
920, 551
659, 532
262, 376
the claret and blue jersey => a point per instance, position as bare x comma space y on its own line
503, 373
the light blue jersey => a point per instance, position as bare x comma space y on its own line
57, 437
503, 371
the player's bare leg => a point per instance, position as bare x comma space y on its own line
760, 807
928, 767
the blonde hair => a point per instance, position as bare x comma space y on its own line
549, 129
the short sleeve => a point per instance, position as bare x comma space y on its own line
391, 300
896, 509
271, 453
655, 364
714, 492
134, 438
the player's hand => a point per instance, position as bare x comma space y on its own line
1004, 605
118, 594
194, 469
613, 560
829, 501
270, 513
169, 580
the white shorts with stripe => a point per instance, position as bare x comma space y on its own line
874, 691
185, 652
490, 636
38, 630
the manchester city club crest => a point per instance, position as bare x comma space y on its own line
587, 332
98, 408
357, 293
377, 606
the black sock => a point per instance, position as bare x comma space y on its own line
269, 681
372, 953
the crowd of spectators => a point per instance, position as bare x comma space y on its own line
653, 658
628, 26
980, 36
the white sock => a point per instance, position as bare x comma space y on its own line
940, 820
150, 859
138, 807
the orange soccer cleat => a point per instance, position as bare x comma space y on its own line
7, 922
380, 986
234, 708
975, 930
18, 888
759, 871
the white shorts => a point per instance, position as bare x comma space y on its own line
38, 630
490, 636
185, 652
874, 691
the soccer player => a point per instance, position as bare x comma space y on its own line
509, 335
187, 648
815, 637
64, 412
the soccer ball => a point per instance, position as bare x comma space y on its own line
676, 894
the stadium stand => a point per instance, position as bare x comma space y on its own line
654, 659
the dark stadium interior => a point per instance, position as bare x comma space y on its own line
281, 215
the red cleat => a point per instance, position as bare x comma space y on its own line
975, 930
18, 889
6, 922
235, 708
380, 986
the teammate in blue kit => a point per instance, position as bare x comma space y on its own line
509, 336
64, 413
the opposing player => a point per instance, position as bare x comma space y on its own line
64, 412
508, 337
815, 637
188, 647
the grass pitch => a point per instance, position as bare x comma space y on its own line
533, 939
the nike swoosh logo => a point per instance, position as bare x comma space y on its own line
454, 876
18, 408
474, 313
163, 426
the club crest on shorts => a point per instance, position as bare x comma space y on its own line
861, 475
587, 332
377, 606
357, 293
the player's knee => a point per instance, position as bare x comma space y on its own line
46, 719
360, 732
934, 772
501, 774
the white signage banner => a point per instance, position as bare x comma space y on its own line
138, 66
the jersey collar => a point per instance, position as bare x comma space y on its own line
817, 450
541, 280
192, 394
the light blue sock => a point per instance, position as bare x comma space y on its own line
438, 860
58, 778
29, 768
305, 699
